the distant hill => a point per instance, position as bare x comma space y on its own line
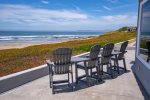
123, 29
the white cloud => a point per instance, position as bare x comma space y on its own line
113, 1
115, 18
27, 14
97, 10
27, 17
76, 7
45, 2
119, 20
107, 8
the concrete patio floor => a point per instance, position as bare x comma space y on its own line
123, 87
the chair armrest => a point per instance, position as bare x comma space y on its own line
125, 51
117, 50
87, 56
49, 62
50, 65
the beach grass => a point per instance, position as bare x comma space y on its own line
15, 60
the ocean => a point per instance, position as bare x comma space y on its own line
42, 36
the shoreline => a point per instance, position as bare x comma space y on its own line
4, 46
15, 45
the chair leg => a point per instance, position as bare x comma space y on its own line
98, 73
72, 78
68, 79
76, 70
70, 84
148, 58
72, 81
111, 72
117, 65
52, 85
98, 68
110, 65
91, 72
50, 79
124, 62
108, 69
102, 69
87, 77
114, 63
71, 74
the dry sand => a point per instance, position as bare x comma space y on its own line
14, 45
22, 45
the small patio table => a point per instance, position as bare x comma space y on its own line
75, 60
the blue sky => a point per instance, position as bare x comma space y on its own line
70, 15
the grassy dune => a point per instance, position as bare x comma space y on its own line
14, 60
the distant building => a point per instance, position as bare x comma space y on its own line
128, 29
131, 29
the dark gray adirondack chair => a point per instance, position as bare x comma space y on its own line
148, 52
106, 59
90, 64
121, 56
61, 64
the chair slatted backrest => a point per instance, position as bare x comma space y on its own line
62, 60
94, 52
107, 53
123, 49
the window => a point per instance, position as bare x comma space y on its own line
144, 51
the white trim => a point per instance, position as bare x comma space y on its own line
17, 79
22, 72
138, 35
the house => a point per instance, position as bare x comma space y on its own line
131, 29
142, 67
